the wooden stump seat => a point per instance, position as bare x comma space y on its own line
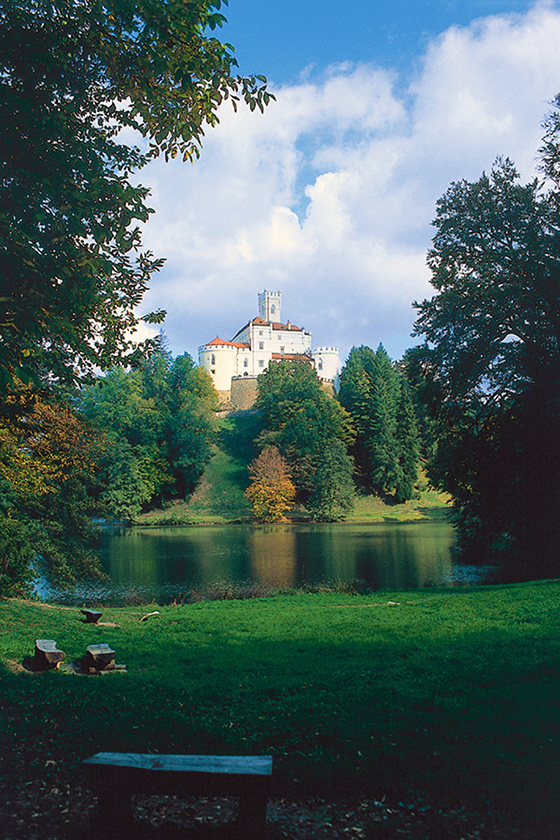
116, 776
47, 655
101, 657
92, 616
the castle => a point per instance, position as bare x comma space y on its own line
234, 365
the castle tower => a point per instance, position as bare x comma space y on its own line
270, 306
327, 364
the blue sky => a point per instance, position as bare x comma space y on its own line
286, 37
329, 196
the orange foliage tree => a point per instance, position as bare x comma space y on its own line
272, 491
48, 459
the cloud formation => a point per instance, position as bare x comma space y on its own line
329, 195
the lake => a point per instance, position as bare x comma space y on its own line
166, 564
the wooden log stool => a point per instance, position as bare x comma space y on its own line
116, 776
92, 616
47, 655
100, 658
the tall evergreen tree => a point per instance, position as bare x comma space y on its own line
386, 448
408, 444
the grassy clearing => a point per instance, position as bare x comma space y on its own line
452, 695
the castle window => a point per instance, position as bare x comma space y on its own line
261, 345
245, 363
245, 374
273, 310
260, 332
261, 363
282, 349
320, 365
213, 360
212, 371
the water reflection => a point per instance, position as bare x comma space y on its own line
166, 563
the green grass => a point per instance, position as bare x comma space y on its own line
430, 504
219, 497
453, 695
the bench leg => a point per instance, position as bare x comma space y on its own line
113, 818
251, 816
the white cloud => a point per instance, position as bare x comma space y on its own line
329, 195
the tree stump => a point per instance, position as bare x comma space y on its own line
47, 655
100, 657
92, 616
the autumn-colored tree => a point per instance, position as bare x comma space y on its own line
48, 457
272, 491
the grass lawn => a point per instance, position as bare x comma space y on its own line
450, 695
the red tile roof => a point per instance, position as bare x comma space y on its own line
300, 357
278, 326
221, 342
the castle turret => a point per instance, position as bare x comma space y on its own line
326, 364
270, 306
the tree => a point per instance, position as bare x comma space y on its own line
387, 446
332, 494
73, 75
489, 368
303, 422
271, 491
192, 401
159, 428
407, 438
48, 457
493, 326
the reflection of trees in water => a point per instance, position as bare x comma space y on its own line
384, 556
403, 557
273, 556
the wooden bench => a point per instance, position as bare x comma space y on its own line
47, 655
92, 616
116, 776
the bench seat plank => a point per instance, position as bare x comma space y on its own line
254, 765
92, 616
100, 656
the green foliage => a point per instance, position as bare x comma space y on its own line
158, 421
73, 75
407, 440
489, 369
16, 551
492, 326
387, 442
304, 423
332, 495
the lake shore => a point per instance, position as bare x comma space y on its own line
204, 509
442, 703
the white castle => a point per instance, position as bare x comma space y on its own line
263, 340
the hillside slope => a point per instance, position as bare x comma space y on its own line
219, 496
